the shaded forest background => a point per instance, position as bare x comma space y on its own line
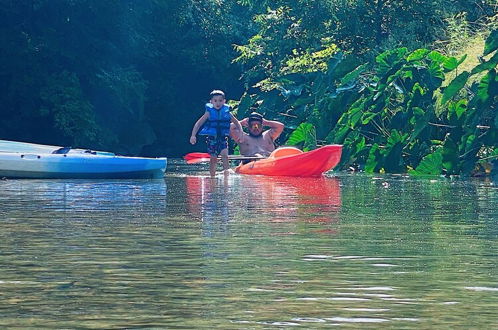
132, 76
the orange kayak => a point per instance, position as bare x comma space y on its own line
290, 161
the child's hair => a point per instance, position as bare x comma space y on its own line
216, 92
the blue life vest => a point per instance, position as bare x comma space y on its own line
218, 124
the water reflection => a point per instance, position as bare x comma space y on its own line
278, 199
208, 198
248, 252
73, 196
315, 199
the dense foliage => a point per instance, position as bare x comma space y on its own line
119, 75
393, 114
132, 76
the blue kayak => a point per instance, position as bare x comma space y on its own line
52, 162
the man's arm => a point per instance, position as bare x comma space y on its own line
235, 122
236, 132
276, 128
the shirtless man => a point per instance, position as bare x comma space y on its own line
257, 142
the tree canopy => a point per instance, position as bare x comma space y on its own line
132, 76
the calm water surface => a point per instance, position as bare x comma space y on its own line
249, 252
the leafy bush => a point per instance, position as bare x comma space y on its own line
395, 116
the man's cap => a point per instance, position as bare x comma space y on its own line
255, 116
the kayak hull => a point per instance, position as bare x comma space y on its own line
289, 161
39, 163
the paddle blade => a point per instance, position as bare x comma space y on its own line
202, 157
197, 160
195, 155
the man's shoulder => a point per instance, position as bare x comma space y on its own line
269, 134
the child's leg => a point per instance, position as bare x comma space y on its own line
224, 158
212, 150
213, 162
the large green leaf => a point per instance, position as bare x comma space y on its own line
487, 65
447, 62
419, 122
491, 42
486, 90
268, 103
455, 86
389, 59
355, 115
373, 159
451, 63
431, 164
417, 93
245, 103
418, 55
393, 160
436, 72
338, 135
450, 156
367, 117
304, 135
360, 145
353, 75
456, 110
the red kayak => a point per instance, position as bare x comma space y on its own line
290, 161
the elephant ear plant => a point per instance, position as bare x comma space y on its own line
411, 111
469, 119
405, 120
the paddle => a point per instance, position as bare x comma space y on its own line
200, 157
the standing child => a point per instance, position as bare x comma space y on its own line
217, 120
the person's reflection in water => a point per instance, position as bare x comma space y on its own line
209, 201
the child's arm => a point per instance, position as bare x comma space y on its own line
196, 127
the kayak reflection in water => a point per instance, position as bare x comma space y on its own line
275, 199
256, 142
289, 199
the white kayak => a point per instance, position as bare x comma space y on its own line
16, 146
52, 162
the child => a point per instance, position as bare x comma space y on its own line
217, 120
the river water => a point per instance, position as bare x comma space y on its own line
237, 252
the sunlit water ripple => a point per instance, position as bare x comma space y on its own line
249, 252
